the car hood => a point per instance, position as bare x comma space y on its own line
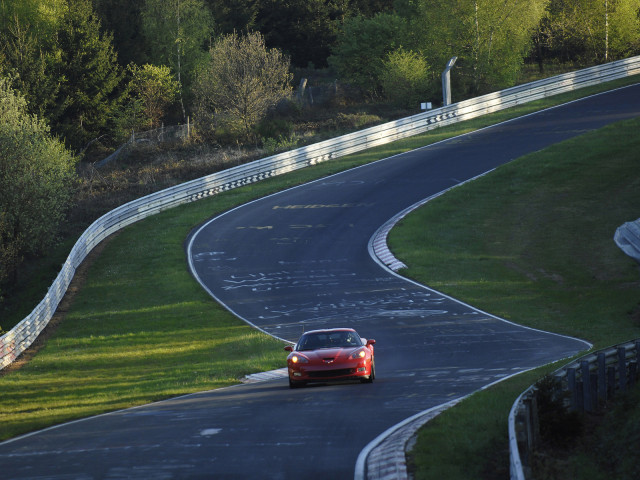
329, 353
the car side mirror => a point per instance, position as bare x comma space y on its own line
371, 341
289, 348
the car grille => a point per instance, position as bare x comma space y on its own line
332, 373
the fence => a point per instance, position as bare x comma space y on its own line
14, 342
175, 133
587, 382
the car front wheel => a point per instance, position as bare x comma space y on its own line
294, 384
371, 377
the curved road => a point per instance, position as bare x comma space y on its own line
298, 260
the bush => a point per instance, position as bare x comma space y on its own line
558, 425
274, 127
406, 78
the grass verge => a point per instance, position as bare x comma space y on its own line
533, 243
140, 329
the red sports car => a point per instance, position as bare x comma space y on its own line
328, 355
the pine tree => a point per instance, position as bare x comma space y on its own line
89, 76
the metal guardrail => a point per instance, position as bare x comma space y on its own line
588, 382
14, 342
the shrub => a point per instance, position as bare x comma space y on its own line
406, 78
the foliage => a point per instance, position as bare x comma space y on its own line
558, 425
27, 47
89, 76
151, 91
623, 34
589, 31
234, 15
281, 144
242, 80
274, 127
489, 37
362, 46
44, 16
406, 78
307, 30
177, 33
43, 53
304, 30
36, 181
615, 442
123, 18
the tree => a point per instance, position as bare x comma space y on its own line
308, 30
305, 30
590, 31
489, 37
241, 81
43, 16
89, 76
123, 19
151, 90
234, 15
26, 62
37, 176
622, 24
178, 33
363, 45
406, 78
28, 33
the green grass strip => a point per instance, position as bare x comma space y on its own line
141, 329
531, 242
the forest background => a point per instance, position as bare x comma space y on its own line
77, 77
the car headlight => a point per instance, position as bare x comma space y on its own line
358, 355
298, 359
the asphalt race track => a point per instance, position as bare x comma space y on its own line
299, 260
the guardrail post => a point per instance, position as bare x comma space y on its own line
535, 420
611, 382
587, 397
446, 82
602, 377
622, 368
594, 392
573, 387
523, 420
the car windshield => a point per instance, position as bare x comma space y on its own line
316, 340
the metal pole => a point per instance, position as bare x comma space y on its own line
446, 82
